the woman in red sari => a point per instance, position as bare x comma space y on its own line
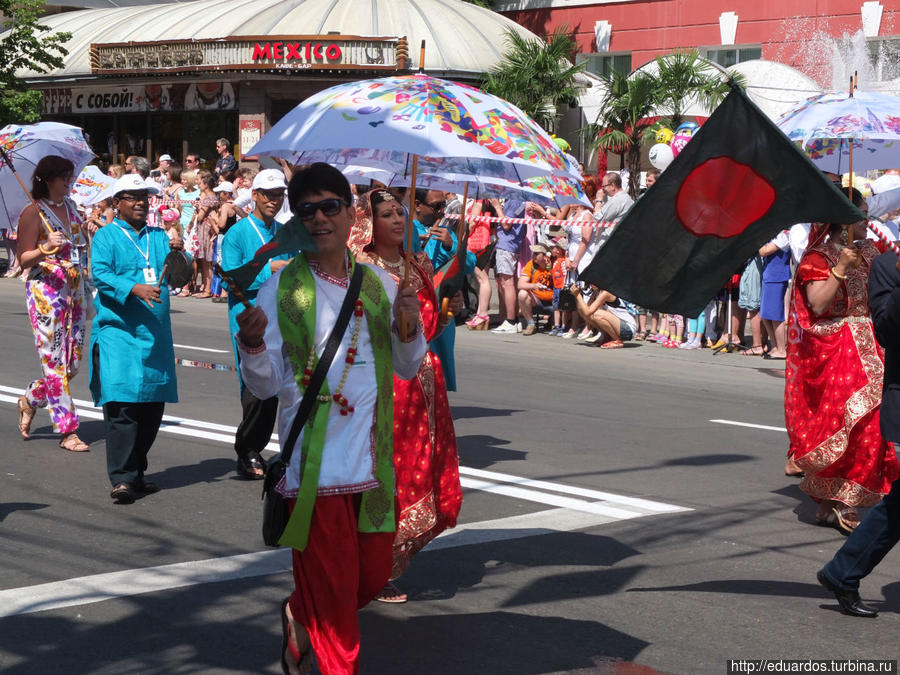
834, 377
429, 494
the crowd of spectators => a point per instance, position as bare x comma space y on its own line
533, 267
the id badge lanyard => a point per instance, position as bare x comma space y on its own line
149, 272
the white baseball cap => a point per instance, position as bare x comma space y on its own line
224, 187
132, 182
165, 158
269, 179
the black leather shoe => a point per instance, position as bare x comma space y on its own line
123, 493
848, 600
148, 487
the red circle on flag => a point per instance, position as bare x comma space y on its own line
722, 198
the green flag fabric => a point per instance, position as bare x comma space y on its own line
288, 240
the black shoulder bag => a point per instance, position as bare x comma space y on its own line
275, 506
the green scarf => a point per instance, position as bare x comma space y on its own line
297, 321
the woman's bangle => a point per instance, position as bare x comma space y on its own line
839, 277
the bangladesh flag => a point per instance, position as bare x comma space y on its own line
731, 189
288, 240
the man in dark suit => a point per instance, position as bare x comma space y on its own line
880, 529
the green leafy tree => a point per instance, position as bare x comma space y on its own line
537, 76
25, 44
683, 76
625, 120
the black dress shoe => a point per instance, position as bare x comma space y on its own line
848, 600
148, 487
123, 493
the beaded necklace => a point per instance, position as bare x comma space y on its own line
338, 396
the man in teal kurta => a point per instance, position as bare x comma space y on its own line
241, 242
132, 356
440, 245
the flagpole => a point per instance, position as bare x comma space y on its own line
407, 252
845, 233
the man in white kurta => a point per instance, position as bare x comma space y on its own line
342, 565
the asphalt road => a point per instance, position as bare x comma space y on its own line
607, 519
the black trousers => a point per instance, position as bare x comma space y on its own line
255, 430
131, 429
877, 534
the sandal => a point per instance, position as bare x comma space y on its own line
185, 293
478, 322
391, 594
202, 295
26, 416
72, 443
755, 350
302, 658
612, 344
642, 335
252, 467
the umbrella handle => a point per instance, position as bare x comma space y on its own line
47, 226
446, 314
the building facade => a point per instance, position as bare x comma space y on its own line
826, 40
173, 78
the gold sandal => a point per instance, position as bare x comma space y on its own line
72, 443
26, 416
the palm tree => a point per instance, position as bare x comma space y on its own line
683, 75
625, 120
537, 76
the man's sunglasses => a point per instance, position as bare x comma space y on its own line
437, 207
134, 198
328, 207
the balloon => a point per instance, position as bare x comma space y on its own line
661, 156
689, 128
664, 135
678, 142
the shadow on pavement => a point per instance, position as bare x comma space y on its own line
12, 507
441, 574
786, 589
480, 452
461, 412
233, 626
489, 642
207, 471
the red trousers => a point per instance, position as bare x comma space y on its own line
340, 571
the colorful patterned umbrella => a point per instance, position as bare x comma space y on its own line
26, 146
824, 126
382, 123
555, 191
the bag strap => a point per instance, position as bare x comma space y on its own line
318, 376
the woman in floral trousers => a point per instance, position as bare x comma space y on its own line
55, 296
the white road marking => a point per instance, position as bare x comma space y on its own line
598, 503
635, 502
203, 349
100, 587
765, 427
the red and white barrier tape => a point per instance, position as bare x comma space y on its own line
883, 237
524, 221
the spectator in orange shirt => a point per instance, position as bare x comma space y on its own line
560, 272
535, 286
